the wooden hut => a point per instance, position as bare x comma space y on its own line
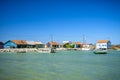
39, 45
15, 44
77, 45
30, 44
103, 44
52, 45
1, 45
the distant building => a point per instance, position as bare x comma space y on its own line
1, 45
52, 44
103, 44
30, 44
60, 45
85, 47
65, 42
77, 45
39, 45
15, 44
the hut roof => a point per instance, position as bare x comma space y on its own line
1, 43
53, 43
19, 42
30, 42
64, 42
38, 43
102, 41
77, 43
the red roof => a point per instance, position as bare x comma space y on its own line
77, 43
53, 43
102, 41
23, 42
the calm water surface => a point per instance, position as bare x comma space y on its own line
64, 65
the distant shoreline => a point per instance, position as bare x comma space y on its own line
42, 50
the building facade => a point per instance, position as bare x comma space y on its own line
103, 44
77, 45
15, 44
39, 45
52, 45
1, 45
30, 44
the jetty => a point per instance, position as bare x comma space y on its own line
100, 51
39, 50
25, 50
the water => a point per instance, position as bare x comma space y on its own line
64, 65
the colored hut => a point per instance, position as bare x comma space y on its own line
15, 44
1, 45
103, 44
52, 45
77, 45
30, 44
39, 45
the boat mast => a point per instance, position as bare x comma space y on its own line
84, 41
51, 41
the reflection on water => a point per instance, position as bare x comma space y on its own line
64, 65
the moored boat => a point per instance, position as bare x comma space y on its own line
100, 52
86, 49
52, 50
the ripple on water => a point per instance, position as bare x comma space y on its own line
64, 65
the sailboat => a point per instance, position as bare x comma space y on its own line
85, 46
100, 52
52, 50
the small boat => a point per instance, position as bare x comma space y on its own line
52, 50
85, 49
100, 52
21, 52
85, 46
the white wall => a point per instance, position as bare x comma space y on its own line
101, 45
64, 42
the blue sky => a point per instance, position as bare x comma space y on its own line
64, 19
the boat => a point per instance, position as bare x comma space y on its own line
52, 50
100, 52
86, 49
85, 46
21, 52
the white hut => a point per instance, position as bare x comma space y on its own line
103, 44
30, 44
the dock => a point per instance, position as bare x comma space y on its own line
38, 50
25, 50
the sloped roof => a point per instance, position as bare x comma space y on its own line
1, 43
53, 43
30, 42
102, 41
22, 42
38, 43
66, 42
76, 43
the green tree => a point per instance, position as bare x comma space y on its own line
67, 45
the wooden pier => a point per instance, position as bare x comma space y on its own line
24, 50
39, 50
